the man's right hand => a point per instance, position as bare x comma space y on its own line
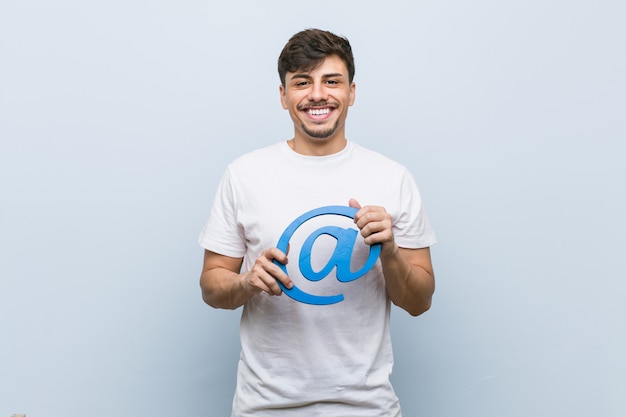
224, 286
264, 274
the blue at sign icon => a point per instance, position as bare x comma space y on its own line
340, 259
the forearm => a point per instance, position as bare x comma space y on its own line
222, 284
222, 288
410, 285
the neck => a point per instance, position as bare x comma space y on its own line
317, 147
308, 145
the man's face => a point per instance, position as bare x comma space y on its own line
318, 100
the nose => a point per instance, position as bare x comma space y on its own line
317, 92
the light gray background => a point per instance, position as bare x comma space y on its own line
117, 119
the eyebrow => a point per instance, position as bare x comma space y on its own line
308, 76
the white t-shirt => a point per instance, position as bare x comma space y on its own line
302, 359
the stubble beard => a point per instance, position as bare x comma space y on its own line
321, 134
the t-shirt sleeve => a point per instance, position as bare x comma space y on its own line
222, 233
412, 228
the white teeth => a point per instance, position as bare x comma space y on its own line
318, 112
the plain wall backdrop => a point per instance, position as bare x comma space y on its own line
118, 118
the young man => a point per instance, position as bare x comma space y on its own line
315, 323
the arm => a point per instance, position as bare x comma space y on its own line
408, 272
223, 286
410, 278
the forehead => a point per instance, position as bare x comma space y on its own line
331, 65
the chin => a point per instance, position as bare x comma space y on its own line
320, 134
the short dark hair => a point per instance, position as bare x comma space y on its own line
307, 49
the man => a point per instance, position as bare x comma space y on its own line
316, 346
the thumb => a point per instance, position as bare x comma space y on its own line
355, 204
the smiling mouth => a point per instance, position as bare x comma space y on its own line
318, 112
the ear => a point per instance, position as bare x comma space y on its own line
352, 93
283, 99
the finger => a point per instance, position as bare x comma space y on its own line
276, 254
373, 228
354, 204
269, 273
366, 216
357, 216
278, 274
272, 284
264, 281
273, 272
256, 282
